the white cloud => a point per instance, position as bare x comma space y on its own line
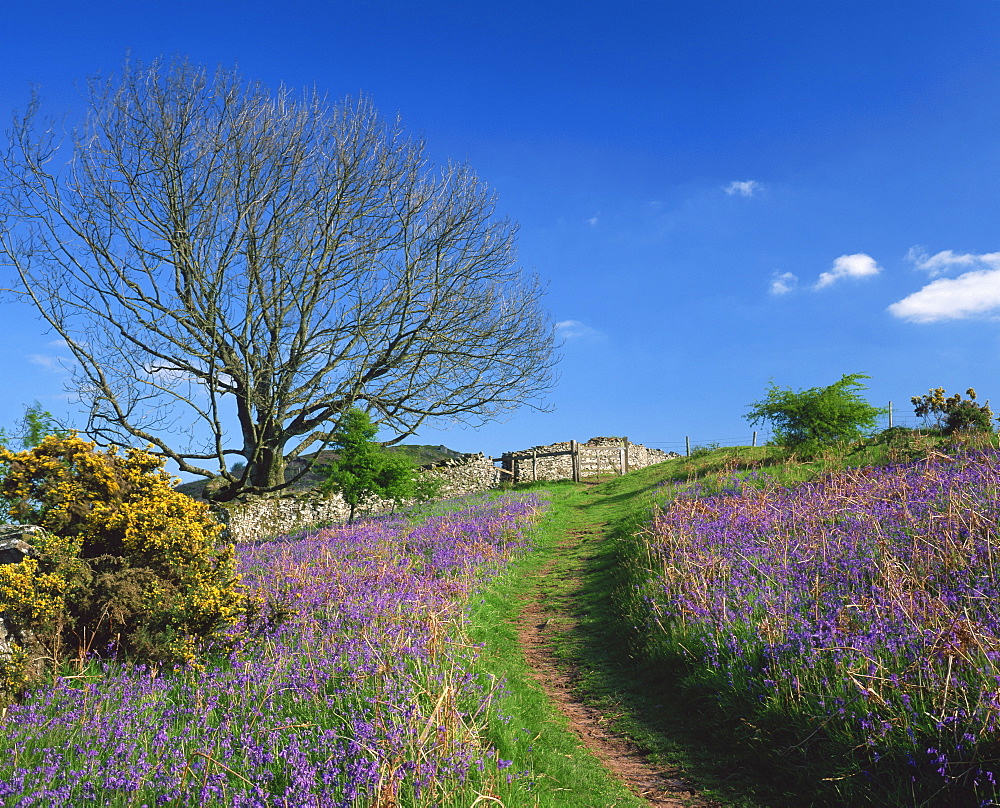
54, 364
968, 295
940, 263
593, 220
973, 293
857, 265
744, 188
783, 282
574, 329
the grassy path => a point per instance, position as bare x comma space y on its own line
554, 622
534, 734
579, 720
589, 719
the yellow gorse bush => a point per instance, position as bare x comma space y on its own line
126, 560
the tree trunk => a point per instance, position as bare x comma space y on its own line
269, 471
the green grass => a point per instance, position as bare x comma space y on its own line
421, 454
531, 732
597, 581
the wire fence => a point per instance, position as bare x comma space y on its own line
685, 444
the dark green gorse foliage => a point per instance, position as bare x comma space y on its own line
807, 420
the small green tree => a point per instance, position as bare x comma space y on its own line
36, 425
806, 420
32, 429
365, 469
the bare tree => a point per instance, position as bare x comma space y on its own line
214, 253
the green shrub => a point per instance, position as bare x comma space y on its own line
967, 416
703, 451
126, 563
808, 420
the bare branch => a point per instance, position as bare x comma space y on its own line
215, 254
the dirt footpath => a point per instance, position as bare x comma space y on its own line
542, 620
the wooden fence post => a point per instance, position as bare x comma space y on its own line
687, 446
626, 464
754, 438
574, 459
534, 465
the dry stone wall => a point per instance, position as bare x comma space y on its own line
469, 474
258, 518
552, 462
261, 517
602, 455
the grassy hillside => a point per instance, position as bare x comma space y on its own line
425, 455
831, 667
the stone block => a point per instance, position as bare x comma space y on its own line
15, 542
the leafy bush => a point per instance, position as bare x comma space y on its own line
954, 414
807, 420
127, 563
967, 416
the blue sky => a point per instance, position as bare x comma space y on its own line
718, 194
